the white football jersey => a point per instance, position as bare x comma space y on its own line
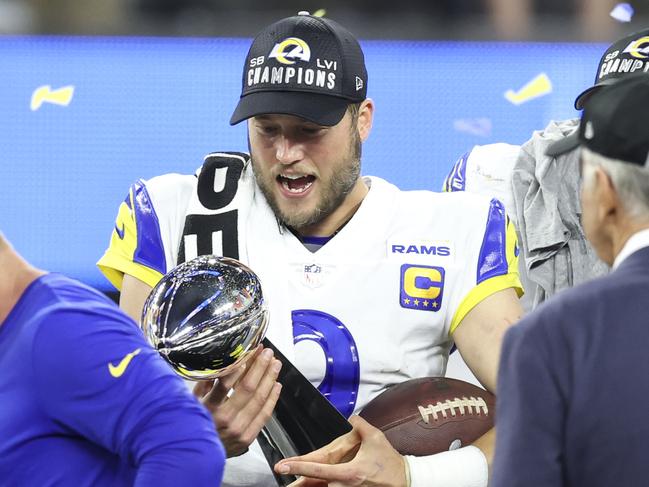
487, 170
375, 306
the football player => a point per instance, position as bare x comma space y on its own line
367, 285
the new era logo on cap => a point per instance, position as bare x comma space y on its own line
305, 66
614, 123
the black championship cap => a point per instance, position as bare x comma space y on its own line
615, 122
305, 66
629, 55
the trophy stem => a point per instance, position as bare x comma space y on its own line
303, 419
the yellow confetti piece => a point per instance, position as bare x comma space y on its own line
539, 86
45, 94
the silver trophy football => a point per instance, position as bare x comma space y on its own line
205, 316
209, 313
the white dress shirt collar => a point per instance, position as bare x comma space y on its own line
636, 242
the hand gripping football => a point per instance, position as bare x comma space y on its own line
431, 415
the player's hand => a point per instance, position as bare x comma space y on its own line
362, 457
239, 415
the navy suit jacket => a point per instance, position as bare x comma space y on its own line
573, 387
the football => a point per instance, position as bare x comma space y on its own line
430, 415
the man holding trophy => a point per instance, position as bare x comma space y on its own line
366, 285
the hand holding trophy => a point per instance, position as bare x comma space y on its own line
205, 318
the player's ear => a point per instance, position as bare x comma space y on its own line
365, 118
607, 198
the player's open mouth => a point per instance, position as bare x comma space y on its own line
295, 184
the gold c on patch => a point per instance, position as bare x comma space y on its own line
422, 287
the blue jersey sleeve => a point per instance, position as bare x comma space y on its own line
456, 179
497, 262
136, 246
98, 377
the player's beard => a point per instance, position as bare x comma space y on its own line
332, 193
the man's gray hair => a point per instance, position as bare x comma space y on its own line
629, 180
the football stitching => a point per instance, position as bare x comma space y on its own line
474, 405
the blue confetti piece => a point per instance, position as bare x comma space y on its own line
478, 126
622, 12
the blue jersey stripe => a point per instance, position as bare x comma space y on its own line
149, 250
493, 253
315, 240
456, 180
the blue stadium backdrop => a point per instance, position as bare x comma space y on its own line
82, 118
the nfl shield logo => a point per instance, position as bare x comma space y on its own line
312, 276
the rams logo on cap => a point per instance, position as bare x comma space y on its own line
639, 48
422, 287
290, 50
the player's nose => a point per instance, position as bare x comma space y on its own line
288, 150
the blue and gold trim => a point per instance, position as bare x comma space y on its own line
497, 266
456, 179
149, 250
136, 244
493, 259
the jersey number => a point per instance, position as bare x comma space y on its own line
216, 233
342, 371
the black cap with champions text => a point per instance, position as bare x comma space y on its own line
629, 55
305, 66
626, 56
